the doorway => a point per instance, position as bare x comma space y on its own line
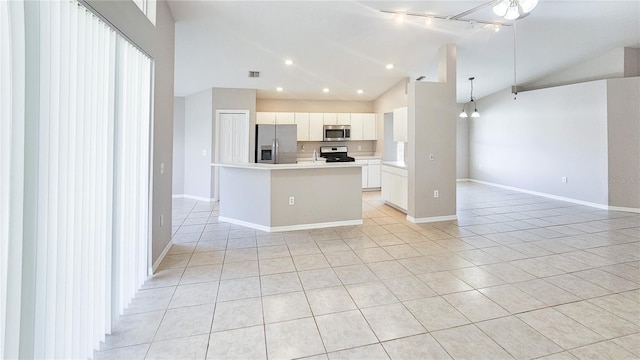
231, 139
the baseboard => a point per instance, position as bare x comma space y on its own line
289, 227
463, 179
153, 269
192, 197
550, 196
432, 219
625, 209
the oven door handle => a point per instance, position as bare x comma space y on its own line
274, 150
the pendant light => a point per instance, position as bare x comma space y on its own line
475, 113
514, 9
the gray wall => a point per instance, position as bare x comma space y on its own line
623, 110
199, 135
158, 41
462, 148
178, 145
198, 121
532, 142
432, 130
395, 97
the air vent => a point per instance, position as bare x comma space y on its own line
254, 74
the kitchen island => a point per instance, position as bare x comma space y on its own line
285, 197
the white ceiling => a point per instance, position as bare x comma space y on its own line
345, 45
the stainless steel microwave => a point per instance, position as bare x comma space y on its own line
337, 132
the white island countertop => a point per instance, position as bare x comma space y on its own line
298, 166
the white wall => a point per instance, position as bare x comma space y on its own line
532, 142
178, 145
198, 123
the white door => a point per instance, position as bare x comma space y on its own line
232, 140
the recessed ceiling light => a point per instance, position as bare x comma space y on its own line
389, 66
400, 18
325, 90
428, 20
279, 88
360, 91
288, 62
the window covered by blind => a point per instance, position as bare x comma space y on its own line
91, 221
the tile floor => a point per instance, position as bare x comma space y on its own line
517, 276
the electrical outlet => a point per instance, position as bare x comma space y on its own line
480, 167
431, 157
161, 168
292, 200
436, 194
564, 179
204, 152
359, 147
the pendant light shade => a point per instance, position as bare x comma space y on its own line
514, 9
475, 114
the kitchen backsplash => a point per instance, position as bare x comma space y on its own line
356, 148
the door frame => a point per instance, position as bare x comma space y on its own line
216, 155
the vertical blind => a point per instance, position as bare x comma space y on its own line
93, 180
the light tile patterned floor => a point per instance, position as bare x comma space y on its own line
517, 276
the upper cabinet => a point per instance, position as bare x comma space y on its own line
363, 126
266, 118
310, 125
315, 126
285, 118
400, 124
302, 121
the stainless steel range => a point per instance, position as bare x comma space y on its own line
335, 154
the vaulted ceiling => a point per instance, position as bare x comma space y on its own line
345, 45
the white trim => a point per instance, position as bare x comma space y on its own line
164, 253
290, 227
193, 197
463, 179
550, 196
432, 219
625, 209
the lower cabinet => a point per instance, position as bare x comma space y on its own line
395, 186
370, 173
373, 175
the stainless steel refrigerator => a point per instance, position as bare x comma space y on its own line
276, 144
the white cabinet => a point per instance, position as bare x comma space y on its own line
302, 122
330, 118
400, 124
343, 119
369, 127
370, 173
363, 126
285, 118
357, 127
266, 118
395, 186
310, 125
316, 121
373, 173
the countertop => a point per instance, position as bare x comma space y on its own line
398, 164
302, 165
